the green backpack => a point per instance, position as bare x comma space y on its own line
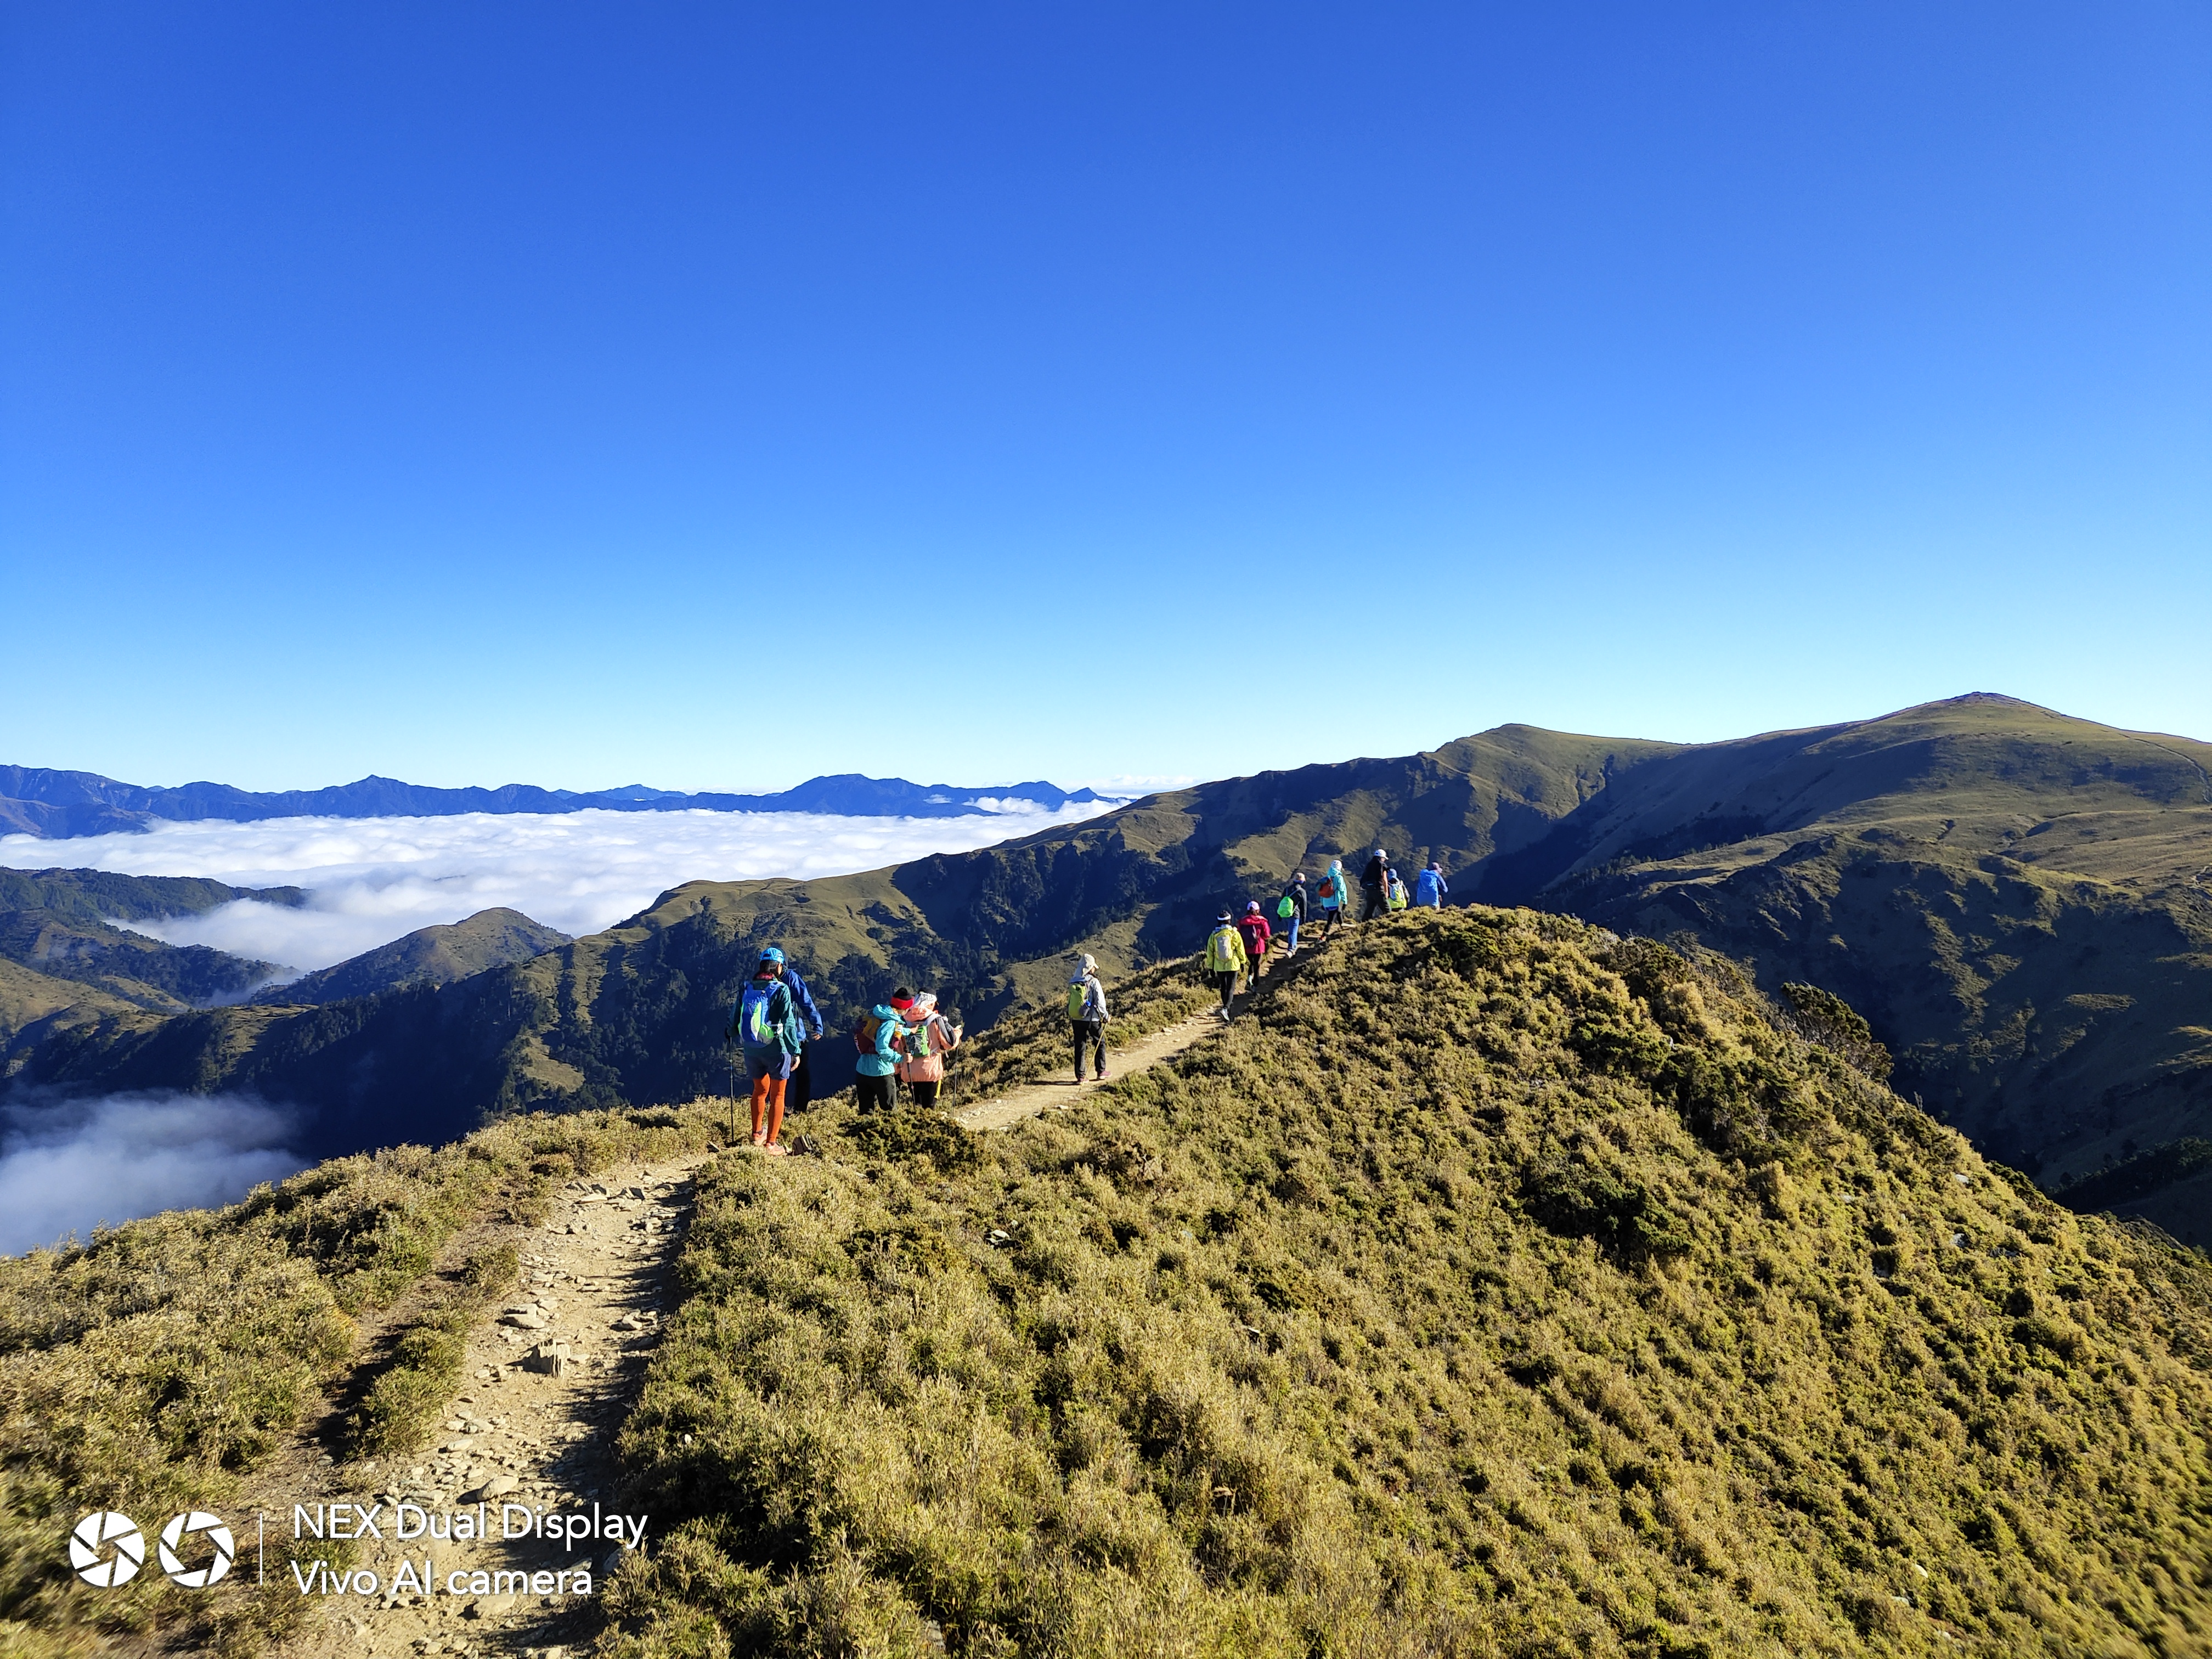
1286, 906
1078, 999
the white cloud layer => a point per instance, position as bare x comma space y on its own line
375, 880
66, 1167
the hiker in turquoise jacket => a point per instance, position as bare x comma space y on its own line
1335, 896
874, 1068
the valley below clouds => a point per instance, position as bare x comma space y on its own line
375, 880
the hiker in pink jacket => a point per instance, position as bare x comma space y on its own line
930, 1037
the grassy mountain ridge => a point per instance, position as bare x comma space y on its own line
2016, 900
636, 1011
437, 955
1493, 1287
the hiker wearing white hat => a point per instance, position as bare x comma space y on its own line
1374, 881
1087, 1016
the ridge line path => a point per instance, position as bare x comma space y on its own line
1029, 1100
595, 1277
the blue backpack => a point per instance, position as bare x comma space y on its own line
762, 1023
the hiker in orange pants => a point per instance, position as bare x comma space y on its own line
765, 1024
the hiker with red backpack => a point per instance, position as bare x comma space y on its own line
881, 1038
765, 1024
1087, 1016
1290, 912
930, 1036
1253, 926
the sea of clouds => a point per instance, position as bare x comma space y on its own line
375, 880
66, 1166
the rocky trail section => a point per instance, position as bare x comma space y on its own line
529, 1436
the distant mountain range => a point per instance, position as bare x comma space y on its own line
57, 805
2019, 902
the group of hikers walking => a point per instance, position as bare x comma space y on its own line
905, 1039
1239, 945
902, 1040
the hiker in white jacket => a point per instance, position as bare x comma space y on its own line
1087, 1015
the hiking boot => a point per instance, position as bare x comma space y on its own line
1101, 1078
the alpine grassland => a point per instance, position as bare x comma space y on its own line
1492, 1285
157, 1367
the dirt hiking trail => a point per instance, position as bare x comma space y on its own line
1058, 1094
594, 1280
594, 1286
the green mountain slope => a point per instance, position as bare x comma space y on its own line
428, 956
1493, 1288
55, 923
101, 895
36, 1008
2016, 900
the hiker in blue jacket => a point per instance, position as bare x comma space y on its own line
766, 1024
800, 1088
1430, 887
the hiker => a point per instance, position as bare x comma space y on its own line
881, 1038
1290, 911
1256, 934
1224, 958
765, 1024
1335, 896
1087, 1016
1374, 897
1394, 888
799, 1090
1430, 887
930, 1036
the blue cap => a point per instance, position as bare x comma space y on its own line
772, 954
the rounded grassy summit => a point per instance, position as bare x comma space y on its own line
1503, 1287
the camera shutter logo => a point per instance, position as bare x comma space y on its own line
180, 1528
89, 1547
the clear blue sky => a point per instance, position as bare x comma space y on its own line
715, 396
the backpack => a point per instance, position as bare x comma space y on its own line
1328, 887
759, 1023
868, 1028
1286, 906
1397, 900
1078, 999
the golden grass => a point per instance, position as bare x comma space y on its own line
155, 1368
1495, 1291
